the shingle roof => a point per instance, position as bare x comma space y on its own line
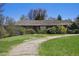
41, 22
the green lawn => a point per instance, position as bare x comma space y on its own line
66, 46
7, 43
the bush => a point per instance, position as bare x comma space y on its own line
20, 31
73, 29
3, 32
42, 31
74, 26
70, 31
52, 30
11, 30
57, 30
30, 31
62, 29
76, 31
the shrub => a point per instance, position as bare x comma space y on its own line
20, 31
74, 26
62, 29
70, 31
11, 30
52, 30
3, 32
75, 31
42, 31
57, 30
30, 31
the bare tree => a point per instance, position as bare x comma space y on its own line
37, 14
3, 32
10, 26
1, 14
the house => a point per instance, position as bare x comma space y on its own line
42, 24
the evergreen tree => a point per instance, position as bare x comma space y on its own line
59, 17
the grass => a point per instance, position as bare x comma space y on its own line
7, 43
66, 46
